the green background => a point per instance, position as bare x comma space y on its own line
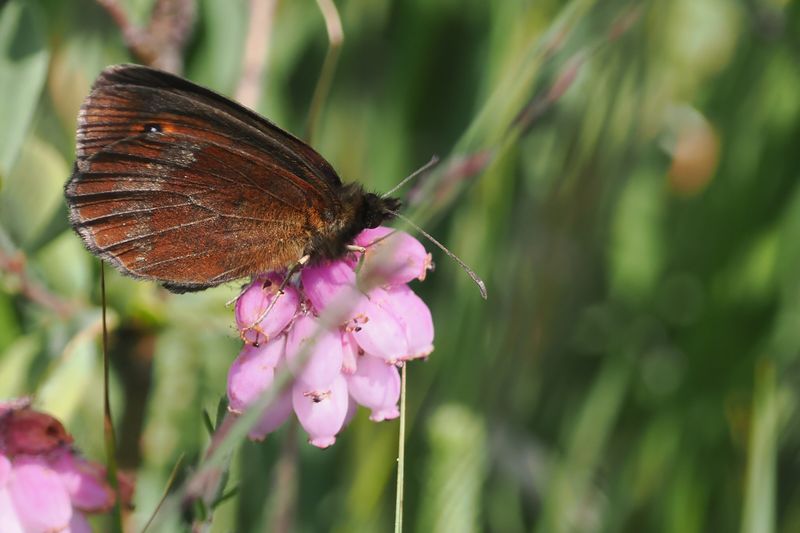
635, 367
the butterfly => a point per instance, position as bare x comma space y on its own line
175, 183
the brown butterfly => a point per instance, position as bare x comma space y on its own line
175, 183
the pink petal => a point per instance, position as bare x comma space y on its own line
40, 498
350, 354
330, 283
352, 410
5, 470
397, 258
274, 416
85, 482
376, 330
9, 521
321, 416
252, 372
376, 385
78, 524
313, 355
252, 303
415, 318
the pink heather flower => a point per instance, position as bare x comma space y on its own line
274, 416
326, 283
376, 330
314, 354
376, 385
415, 318
44, 484
252, 372
394, 255
334, 368
254, 301
321, 414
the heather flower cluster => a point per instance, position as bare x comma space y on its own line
335, 368
44, 484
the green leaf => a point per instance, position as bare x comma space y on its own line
14, 364
73, 373
456, 471
33, 192
66, 266
23, 69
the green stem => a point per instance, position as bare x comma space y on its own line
108, 423
401, 454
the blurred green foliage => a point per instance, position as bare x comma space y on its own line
638, 225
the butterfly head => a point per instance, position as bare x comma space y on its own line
377, 210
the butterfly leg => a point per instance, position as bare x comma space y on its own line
291, 272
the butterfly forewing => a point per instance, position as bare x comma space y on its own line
185, 187
126, 99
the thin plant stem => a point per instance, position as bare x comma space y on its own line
401, 454
108, 423
170, 482
333, 25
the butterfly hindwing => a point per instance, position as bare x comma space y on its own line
187, 212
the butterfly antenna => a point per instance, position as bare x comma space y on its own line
424, 168
471, 273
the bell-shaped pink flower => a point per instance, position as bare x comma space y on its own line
380, 322
44, 484
78, 524
252, 372
274, 416
352, 410
376, 330
321, 415
376, 386
9, 521
5, 470
314, 354
415, 317
393, 256
255, 327
40, 499
332, 283
85, 483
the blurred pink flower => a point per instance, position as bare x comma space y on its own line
44, 484
334, 369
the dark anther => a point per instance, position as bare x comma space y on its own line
316, 399
358, 328
152, 128
267, 283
